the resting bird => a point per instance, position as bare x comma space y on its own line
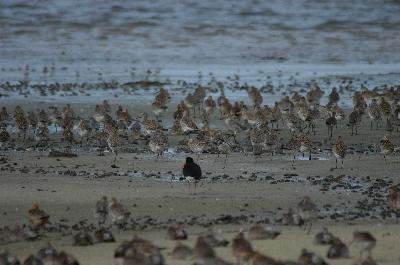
192, 172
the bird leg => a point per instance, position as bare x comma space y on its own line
342, 163
336, 162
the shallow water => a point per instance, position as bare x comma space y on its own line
161, 32
264, 42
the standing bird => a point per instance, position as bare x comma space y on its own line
242, 249
374, 113
338, 250
118, 213
331, 122
364, 241
394, 199
158, 142
37, 217
102, 211
307, 210
192, 172
387, 146
114, 142
339, 149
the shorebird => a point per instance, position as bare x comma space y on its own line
187, 124
394, 199
385, 107
222, 145
324, 237
55, 117
32, 120
209, 105
338, 250
68, 112
180, 108
260, 232
305, 144
7, 258
4, 116
293, 123
42, 134
242, 249
276, 114
176, 127
181, 252
197, 145
21, 124
255, 96
158, 142
307, 210
47, 253
202, 251
364, 241
259, 259
104, 236
387, 147
190, 102
159, 107
354, 120
339, 150
82, 238
199, 96
177, 232
68, 135
118, 213
124, 119
84, 131
138, 248
4, 135
330, 123
293, 145
374, 113
37, 217
314, 95
98, 114
215, 239
334, 96
64, 258
31, 260
310, 258
113, 142
192, 172
163, 96
101, 211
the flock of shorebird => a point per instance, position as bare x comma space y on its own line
256, 125
139, 251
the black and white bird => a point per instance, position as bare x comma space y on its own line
192, 172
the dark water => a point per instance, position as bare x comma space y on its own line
168, 32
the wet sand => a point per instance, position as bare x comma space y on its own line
247, 191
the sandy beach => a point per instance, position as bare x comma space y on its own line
248, 190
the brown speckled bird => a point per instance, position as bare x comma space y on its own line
339, 150
37, 217
242, 249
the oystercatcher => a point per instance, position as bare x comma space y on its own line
192, 172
